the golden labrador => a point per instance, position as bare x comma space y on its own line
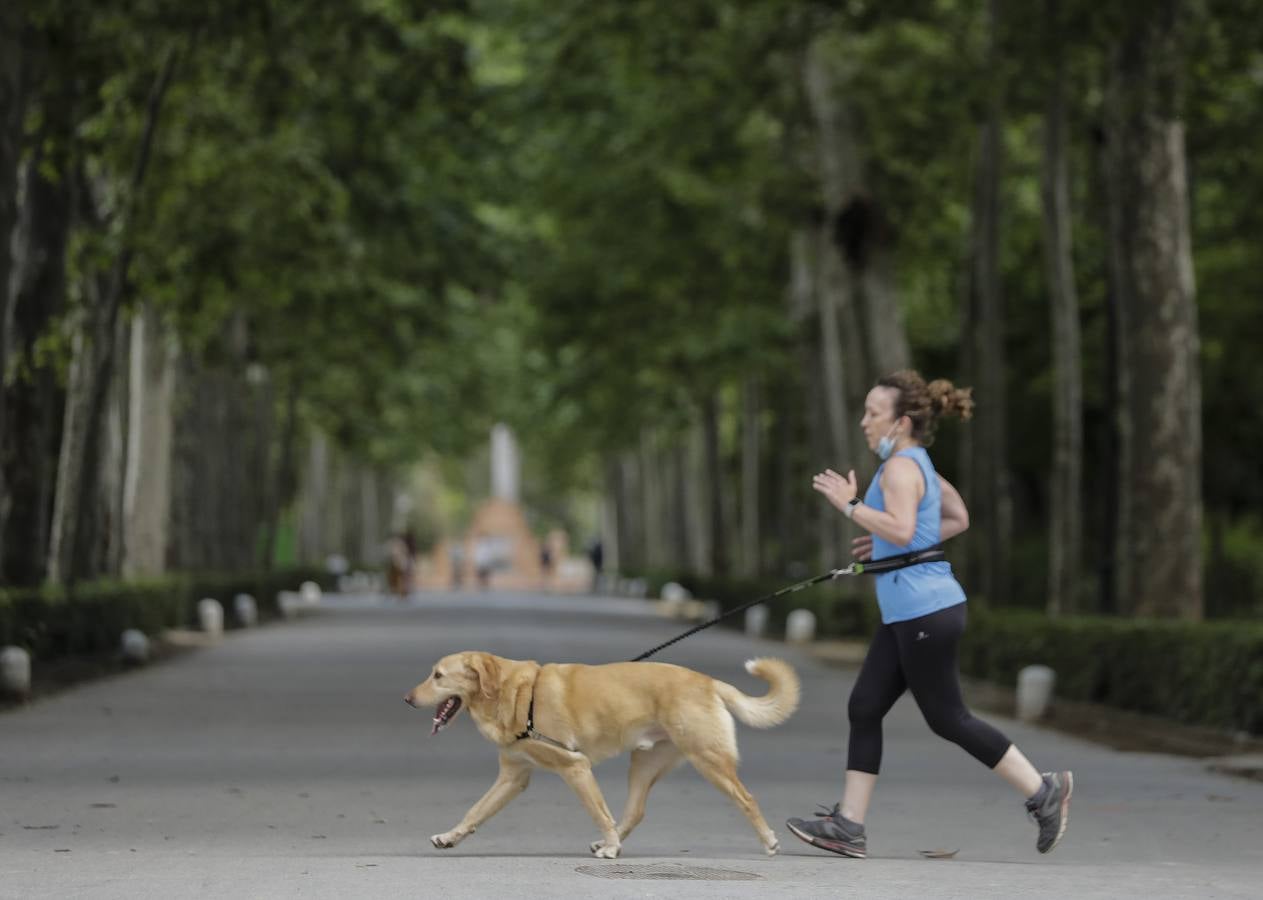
567, 718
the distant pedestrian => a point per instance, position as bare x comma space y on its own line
545, 564
910, 507
596, 554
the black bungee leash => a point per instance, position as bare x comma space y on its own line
875, 567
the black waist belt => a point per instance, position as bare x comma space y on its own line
891, 563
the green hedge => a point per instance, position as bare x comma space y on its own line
49, 623
1203, 673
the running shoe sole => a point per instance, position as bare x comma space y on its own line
839, 847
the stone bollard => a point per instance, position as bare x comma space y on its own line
1034, 692
310, 592
674, 593
756, 621
134, 645
210, 615
15, 672
288, 602
246, 609
710, 609
800, 627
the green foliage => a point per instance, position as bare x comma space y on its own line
49, 623
1201, 673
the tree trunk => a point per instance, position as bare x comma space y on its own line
1066, 525
697, 503
611, 529
154, 361
861, 327
92, 372
282, 488
751, 429
1160, 536
715, 480
30, 438
991, 457
12, 114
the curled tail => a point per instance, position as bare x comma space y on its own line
774, 707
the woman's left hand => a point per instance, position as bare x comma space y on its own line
838, 490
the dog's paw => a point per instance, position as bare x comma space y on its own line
771, 843
446, 841
602, 850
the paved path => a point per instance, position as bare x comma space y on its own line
282, 763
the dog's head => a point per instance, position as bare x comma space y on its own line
457, 681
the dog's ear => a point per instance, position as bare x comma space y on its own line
488, 672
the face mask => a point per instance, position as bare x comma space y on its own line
886, 445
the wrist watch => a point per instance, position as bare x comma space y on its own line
849, 510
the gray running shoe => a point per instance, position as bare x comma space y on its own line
1050, 808
833, 832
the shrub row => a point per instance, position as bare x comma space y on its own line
50, 623
1203, 673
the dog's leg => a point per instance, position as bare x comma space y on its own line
647, 766
719, 767
515, 775
578, 774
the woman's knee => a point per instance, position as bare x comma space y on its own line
862, 709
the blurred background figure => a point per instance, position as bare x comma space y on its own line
545, 565
596, 554
399, 566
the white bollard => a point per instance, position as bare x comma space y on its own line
246, 609
310, 592
674, 593
134, 645
756, 621
800, 627
15, 672
288, 602
210, 615
710, 609
1034, 692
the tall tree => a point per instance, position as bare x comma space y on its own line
1066, 487
1159, 476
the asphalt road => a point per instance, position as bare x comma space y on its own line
283, 763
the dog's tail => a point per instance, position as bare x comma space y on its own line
772, 708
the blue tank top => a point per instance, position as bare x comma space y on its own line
922, 589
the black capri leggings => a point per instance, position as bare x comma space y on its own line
921, 655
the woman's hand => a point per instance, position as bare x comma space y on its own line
838, 490
862, 547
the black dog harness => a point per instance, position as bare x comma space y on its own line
532, 733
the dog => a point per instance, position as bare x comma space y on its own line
566, 718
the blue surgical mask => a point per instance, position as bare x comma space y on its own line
886, 445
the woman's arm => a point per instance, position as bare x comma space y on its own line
955, 515
902, 487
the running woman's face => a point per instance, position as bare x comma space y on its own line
879, 416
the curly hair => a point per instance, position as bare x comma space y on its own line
925, 403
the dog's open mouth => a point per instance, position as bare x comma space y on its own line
443, 714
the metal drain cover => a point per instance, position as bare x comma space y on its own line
666, 871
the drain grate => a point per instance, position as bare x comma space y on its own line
666, 871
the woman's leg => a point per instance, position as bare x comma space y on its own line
928, 655
880, 683
1017, 770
